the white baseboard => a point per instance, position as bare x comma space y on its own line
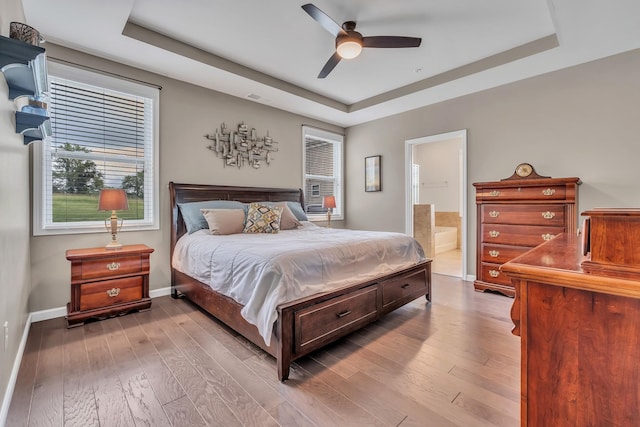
155, 293
38, 316
4, 410
471, 278
52, 313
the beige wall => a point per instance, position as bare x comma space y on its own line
187, 113
15, 276
583, 121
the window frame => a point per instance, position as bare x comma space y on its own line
42, 174
337, 140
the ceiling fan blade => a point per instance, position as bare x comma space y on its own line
391, 41
324, 20
330, 65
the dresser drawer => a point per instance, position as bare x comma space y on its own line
321, 323
400, 290
545, 192
549, 215
523, 235
110, 292
500, 254
491, 273
109, 267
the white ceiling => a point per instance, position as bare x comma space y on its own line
274, 50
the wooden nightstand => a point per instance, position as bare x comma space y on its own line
108, 282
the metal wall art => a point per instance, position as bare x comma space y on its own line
237, 148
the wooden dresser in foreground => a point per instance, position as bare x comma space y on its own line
580, 325
108, 282
516, 214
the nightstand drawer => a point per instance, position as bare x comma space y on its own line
110, 292
112, 266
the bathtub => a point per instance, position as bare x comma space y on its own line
446, 239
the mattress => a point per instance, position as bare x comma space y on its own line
261, 271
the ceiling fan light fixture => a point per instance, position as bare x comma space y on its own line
349, 47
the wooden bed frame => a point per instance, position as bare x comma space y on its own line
306, 324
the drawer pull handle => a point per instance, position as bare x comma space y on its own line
113, 292
494, 273
548, 215
494, 253
405, 286
113, 266
495, 193
548, 191
344, 313
547, 236
494, 214
494, 233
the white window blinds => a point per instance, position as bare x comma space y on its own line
322, 171
103, 136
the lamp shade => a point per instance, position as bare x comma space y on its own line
113, 199
329, 202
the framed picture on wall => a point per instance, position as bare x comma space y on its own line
372, 173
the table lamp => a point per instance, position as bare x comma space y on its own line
113, 199
329, 202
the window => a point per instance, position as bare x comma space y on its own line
104, 135
322, 160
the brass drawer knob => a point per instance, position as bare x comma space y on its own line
548, 236
495, 193
494, 233
494, 254
494, 273
548, 215
113, 266
113, 292
494, 214
548, 191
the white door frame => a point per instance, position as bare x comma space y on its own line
408, 146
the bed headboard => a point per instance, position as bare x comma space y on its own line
181, 193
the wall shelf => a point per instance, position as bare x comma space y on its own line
24, 69
33, 127
17, 60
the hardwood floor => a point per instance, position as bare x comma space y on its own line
451, 363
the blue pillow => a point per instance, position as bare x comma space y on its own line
193, 218
297, 210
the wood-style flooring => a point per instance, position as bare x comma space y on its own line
451, 363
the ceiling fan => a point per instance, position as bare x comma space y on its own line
349, 42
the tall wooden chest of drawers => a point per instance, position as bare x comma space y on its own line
516, 214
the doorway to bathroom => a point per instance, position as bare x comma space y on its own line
436, 196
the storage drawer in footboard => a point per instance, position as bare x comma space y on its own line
397, 291
320, 324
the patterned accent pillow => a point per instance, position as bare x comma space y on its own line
263, 219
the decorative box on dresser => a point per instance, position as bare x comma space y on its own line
517, 214
578, 318
108, 282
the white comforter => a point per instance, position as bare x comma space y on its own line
261, 271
